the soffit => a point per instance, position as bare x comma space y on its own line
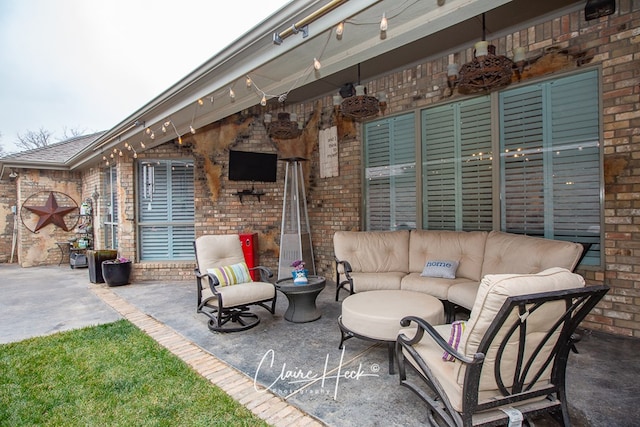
418, 29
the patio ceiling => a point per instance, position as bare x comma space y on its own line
417, 29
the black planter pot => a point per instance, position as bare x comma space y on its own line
116, 273
95, 259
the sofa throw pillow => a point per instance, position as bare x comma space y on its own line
457, 329
231, 274
444, 269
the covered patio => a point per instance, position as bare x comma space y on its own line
301, 362
284, 356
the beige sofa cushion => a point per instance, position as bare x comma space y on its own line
463, 294
466, 247
514, 253
373, 251
436, 286
376, 281
494, 290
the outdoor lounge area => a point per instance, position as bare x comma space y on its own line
599, 391
601, 378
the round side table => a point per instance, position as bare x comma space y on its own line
302, 299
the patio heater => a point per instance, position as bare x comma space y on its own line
295, 234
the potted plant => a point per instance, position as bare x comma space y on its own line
116, 272
299, 273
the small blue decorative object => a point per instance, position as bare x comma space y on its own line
300, 277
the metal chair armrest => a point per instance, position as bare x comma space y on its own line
423, 326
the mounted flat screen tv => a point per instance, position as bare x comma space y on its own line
251, 166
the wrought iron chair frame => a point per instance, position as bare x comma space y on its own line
579, 302
348, 281
218, 314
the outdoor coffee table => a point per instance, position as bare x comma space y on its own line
302, 299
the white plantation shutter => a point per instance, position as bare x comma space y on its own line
390, 176
166, 210
456, 166
550, 160
111, 217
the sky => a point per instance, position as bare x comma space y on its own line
86, 65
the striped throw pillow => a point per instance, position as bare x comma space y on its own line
231, 274
457, 329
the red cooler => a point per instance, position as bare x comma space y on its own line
250, 249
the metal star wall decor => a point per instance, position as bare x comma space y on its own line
51, 213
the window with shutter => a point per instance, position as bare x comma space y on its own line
550, 161
457, 166
390, 173
111, 213
166, 209
549, 180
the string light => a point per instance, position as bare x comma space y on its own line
316, 64
340, 29
248, 82
263, 101
384, 24
232, 94
192, 130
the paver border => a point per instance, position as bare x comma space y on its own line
264, 404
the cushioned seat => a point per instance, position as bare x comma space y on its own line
376, 315
225, 290
512, 352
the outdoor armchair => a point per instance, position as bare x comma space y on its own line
225, 289
511, 355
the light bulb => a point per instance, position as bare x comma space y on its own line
120, 153
232, 94
200, 101
248, 81
148, 131
340, 29
142, 144
112, 156
126, 144
384, 24
263, 101
164, 129
180, 140
316, 64
135, 155
192, 130
152, 136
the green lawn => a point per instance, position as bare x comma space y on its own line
111, 375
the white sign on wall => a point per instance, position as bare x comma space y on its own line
329, 152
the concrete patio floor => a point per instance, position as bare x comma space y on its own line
351, 387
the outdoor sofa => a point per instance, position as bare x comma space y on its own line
448, 265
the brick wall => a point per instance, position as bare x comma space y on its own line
8, 197
33, 187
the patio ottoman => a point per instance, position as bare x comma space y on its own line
376, 315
